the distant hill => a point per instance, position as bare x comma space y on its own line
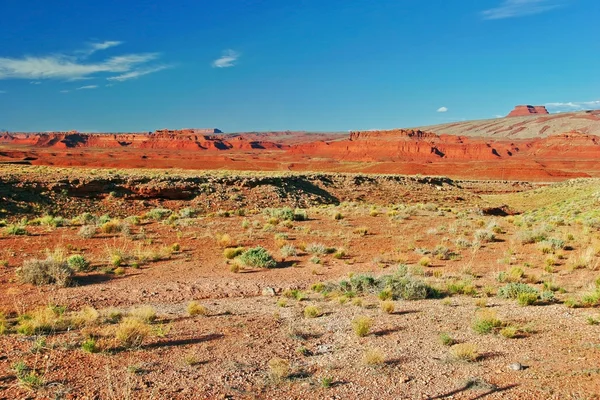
525, 127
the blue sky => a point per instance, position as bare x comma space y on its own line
319, 65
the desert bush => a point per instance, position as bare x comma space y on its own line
131, 332
282, 214
288, 251
257, 257
514, 290
425, 261
446, 339
194, 308
43, 320
187, 213
486, 322
113, 226
224, 240
465, 352
362, 231
316, 249
300, 215
279, 368
232, 252
312, 312
90, 346
461, 286
388, 307
78, 262
87, 231
87, 316
15, 230
45, 272
143, 313
362, 325
484, 235
373, 357
158, 213
85, 219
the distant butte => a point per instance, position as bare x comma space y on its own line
523, 111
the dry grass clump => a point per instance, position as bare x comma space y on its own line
87, 316
131, 332
224, 240
279, 368
52, 270
465, 352
194, 308
362, 325
312, 312
388, 307
373, 357
232, 252
143, 313
87, 231
43, 320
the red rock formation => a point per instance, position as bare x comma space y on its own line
524, 111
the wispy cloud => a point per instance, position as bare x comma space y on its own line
64, 91
75, 66
35, 83
573, 106
442, 109
136, 73
227, 59
104, 45
520, 8
2, 91
87, 87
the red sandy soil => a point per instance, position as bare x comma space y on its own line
244, 329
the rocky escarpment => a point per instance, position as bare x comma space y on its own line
522, 111
70, 192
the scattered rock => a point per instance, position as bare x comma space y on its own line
516, 366
268, 291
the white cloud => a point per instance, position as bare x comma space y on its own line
228, 59
520, 8
75, 67
136, 73
87, 87
35, 83
573, 106
105, 45
442, 109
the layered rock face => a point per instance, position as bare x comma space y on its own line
523, 111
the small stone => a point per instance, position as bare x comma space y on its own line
268, 291
516, 366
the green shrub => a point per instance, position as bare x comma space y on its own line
89, 346
514, 290
15, 230
486, 322
158, 213
257, 257
527, 299
78, 262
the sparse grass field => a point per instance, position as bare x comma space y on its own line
217, 296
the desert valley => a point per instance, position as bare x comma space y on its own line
451, 261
